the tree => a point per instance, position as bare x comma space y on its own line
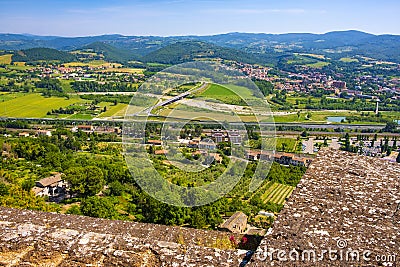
28, 184
390, 127
76, 178
116, 188
86, 181
94, 180
347, 143
3, 189
284, 147
325, 142
198, 219
98, 208
22, 199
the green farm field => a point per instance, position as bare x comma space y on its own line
349, 60
31, 105
277, 193
289, 144
309, 60
118, 110
318, 65
217, 90
230, 94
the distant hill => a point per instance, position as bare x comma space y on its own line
332, 44
110, 52
36, 54
187, 51
385, 47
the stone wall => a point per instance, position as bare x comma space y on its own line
344, 203
30, 238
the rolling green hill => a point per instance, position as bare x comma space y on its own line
110, 52
37, 54
264, 46
187, 51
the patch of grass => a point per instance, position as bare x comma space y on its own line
78, 52
97, 62
348, 59
5, 59
286, 144
300, 60
318, 65
157, 65
118, 110
314, 56
58, 116
217, 90
19, 67
123, 70
309, 60
80, 116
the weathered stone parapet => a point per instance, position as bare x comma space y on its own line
30, 238
346, 203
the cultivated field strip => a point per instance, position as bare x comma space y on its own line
277, 193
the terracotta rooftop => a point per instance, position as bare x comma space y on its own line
161, 152
237, 218
154, 142
344, 202
52, 180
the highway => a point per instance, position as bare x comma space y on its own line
343, 126
171, 100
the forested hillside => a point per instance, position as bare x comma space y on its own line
48, 54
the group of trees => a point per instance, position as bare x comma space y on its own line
391, 127
91, 86
50, 87
13, 86
384, 146
85, 180
105, 188
265, 87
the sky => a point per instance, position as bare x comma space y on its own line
196, 17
